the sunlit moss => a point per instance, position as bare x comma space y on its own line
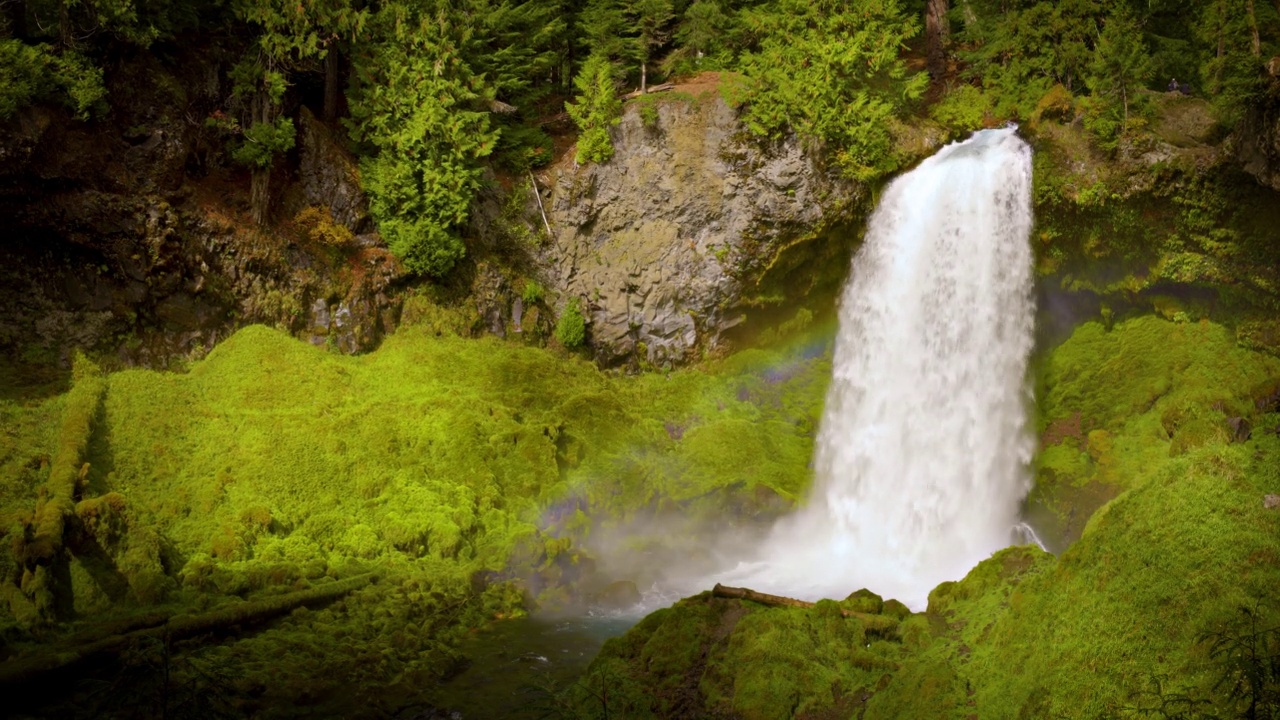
441, 461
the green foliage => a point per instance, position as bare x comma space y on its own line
751, 661
831, 72
290, 29
414, 106
31, 72
702, 27
263, 141
1021, 49
321, 228
533, 292
517, 45
523, 148
1120, 69
596, 110
571, 327
963, 108
22, 68
1011, 639
435, 461
602, 28
650, 19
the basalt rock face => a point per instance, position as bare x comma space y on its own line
127, 235
690, 229
1257, 141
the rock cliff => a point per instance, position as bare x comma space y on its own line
126, 235
691, 228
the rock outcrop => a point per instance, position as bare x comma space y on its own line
690, 228
129, 235
1257, 139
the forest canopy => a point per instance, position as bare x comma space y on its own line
431, 92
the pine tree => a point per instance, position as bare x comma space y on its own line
651, 18
1121, 64
518, 46
596, 110
417, 109
702, 27
602, 27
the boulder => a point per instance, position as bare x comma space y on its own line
618, 595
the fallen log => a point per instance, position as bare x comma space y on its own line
655, 89
172, 627
733, 593
873, 623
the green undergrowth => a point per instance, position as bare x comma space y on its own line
470, 474
1119, 625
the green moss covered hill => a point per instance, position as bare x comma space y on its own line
439, 483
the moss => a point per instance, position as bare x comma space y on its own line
1181, 541
441, 461
1115, 404
710, 657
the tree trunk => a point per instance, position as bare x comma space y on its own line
644, 76
331, 84
64, 23
936, 31
260, 195
259, 185
40, 665
1253, 28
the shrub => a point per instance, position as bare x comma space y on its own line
571, 328
320, 226
30, 72
533, 292
964, 108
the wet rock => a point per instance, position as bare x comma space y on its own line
1241, 430
120, 240
329, 176
618, 595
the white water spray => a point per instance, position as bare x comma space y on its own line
923, 450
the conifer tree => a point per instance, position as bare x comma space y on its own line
831, 71
417, 109
702, 27
602, 26
1121, 64
596, 110
517, 46
651, 18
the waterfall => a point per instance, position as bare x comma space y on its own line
922, 454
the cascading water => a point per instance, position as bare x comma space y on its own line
922, 454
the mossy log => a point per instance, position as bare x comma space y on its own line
873, 623
68, 470
168, 628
